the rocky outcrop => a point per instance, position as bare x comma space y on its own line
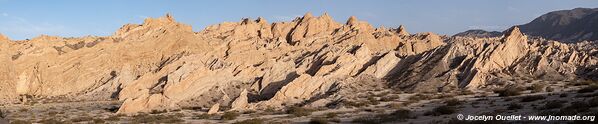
7, 84
469, 62
513, 47
384, 65
241, 102
214, 109
252, 64
402, 31
310, 26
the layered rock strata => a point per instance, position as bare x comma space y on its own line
253, 64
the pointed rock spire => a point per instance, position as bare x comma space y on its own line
514, 46
261, 20
402, 30
382, 28
310, 26
325, 15
307, 15
514, 35
352, 20
514, 31
325, 18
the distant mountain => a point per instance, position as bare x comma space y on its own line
565, 25
479, 33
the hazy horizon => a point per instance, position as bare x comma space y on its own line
25, 19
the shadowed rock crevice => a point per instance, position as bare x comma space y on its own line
270, 90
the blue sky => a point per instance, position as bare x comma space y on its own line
21, 19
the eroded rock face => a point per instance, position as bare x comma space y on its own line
468, 62
214, 109
7, 81
240, 102
253, 64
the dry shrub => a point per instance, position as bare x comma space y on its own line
504, 92
230, 115
299, 111
532, 98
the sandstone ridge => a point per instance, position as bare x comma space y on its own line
253, 64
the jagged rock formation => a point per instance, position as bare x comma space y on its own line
253, 64
565, 25
468, 62
402, 30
